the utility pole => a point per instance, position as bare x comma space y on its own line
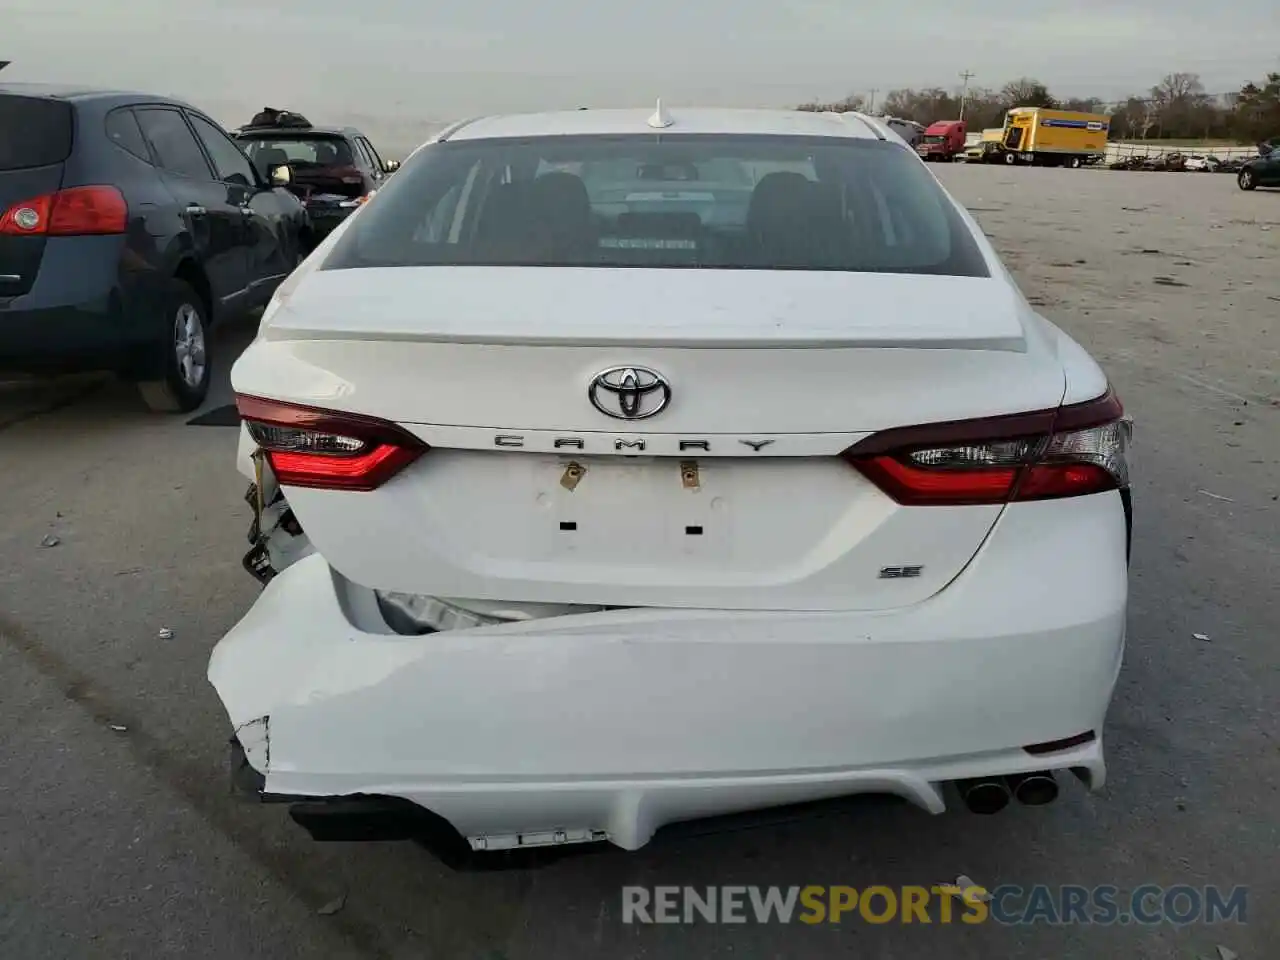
964, 91
871, 105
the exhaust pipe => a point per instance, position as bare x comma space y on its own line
984, 796
1033, 789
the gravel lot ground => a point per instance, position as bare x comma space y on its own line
125, 842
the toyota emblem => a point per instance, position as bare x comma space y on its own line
629, 393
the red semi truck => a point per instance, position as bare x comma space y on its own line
943, 140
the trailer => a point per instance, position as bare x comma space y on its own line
1054, 138
910, 131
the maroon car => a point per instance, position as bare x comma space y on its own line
331, 169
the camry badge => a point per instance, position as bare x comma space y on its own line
629, 393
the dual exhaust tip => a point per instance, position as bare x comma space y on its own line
988, 795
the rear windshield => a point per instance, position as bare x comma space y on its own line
34, 132
710, 201
302, 151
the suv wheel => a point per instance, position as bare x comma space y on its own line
1246, 180
186, 354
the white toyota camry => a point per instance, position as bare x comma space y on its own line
617, 468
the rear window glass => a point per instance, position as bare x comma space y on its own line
300, 152
708, 201
34, 132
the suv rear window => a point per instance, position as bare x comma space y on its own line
666, 201
302, 152
34, 131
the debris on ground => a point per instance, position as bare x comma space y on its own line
1216, 496
166, 633
1224, 953
118, 727
50, 540
333, 906
1202, 637
1169, 282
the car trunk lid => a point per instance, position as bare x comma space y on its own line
733, 496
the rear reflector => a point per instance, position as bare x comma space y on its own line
1068, 452
309, 447
1056, 746
76, 211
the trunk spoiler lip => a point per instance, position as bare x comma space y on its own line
533, 339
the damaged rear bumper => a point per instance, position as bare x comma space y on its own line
610, 725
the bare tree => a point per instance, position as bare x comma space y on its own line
1086, 105
1178, 88
1179, 101
1027, 92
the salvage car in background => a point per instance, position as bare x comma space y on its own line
591, 506
331, 169
1202, 163
130, 224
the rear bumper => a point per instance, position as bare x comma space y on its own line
85, 336
324, 218
82, 312
612, 725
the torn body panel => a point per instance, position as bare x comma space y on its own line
624, 720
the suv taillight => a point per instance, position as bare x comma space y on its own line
309, 447
76, 211
1068, 452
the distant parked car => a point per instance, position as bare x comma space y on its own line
1260, 172
129, 225
333, 170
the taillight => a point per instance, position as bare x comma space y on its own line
76, 211
1068, 452
308, 447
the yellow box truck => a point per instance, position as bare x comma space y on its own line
1057, 138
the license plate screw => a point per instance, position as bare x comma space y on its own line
572, 476
689, 474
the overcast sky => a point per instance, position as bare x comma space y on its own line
411, 62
